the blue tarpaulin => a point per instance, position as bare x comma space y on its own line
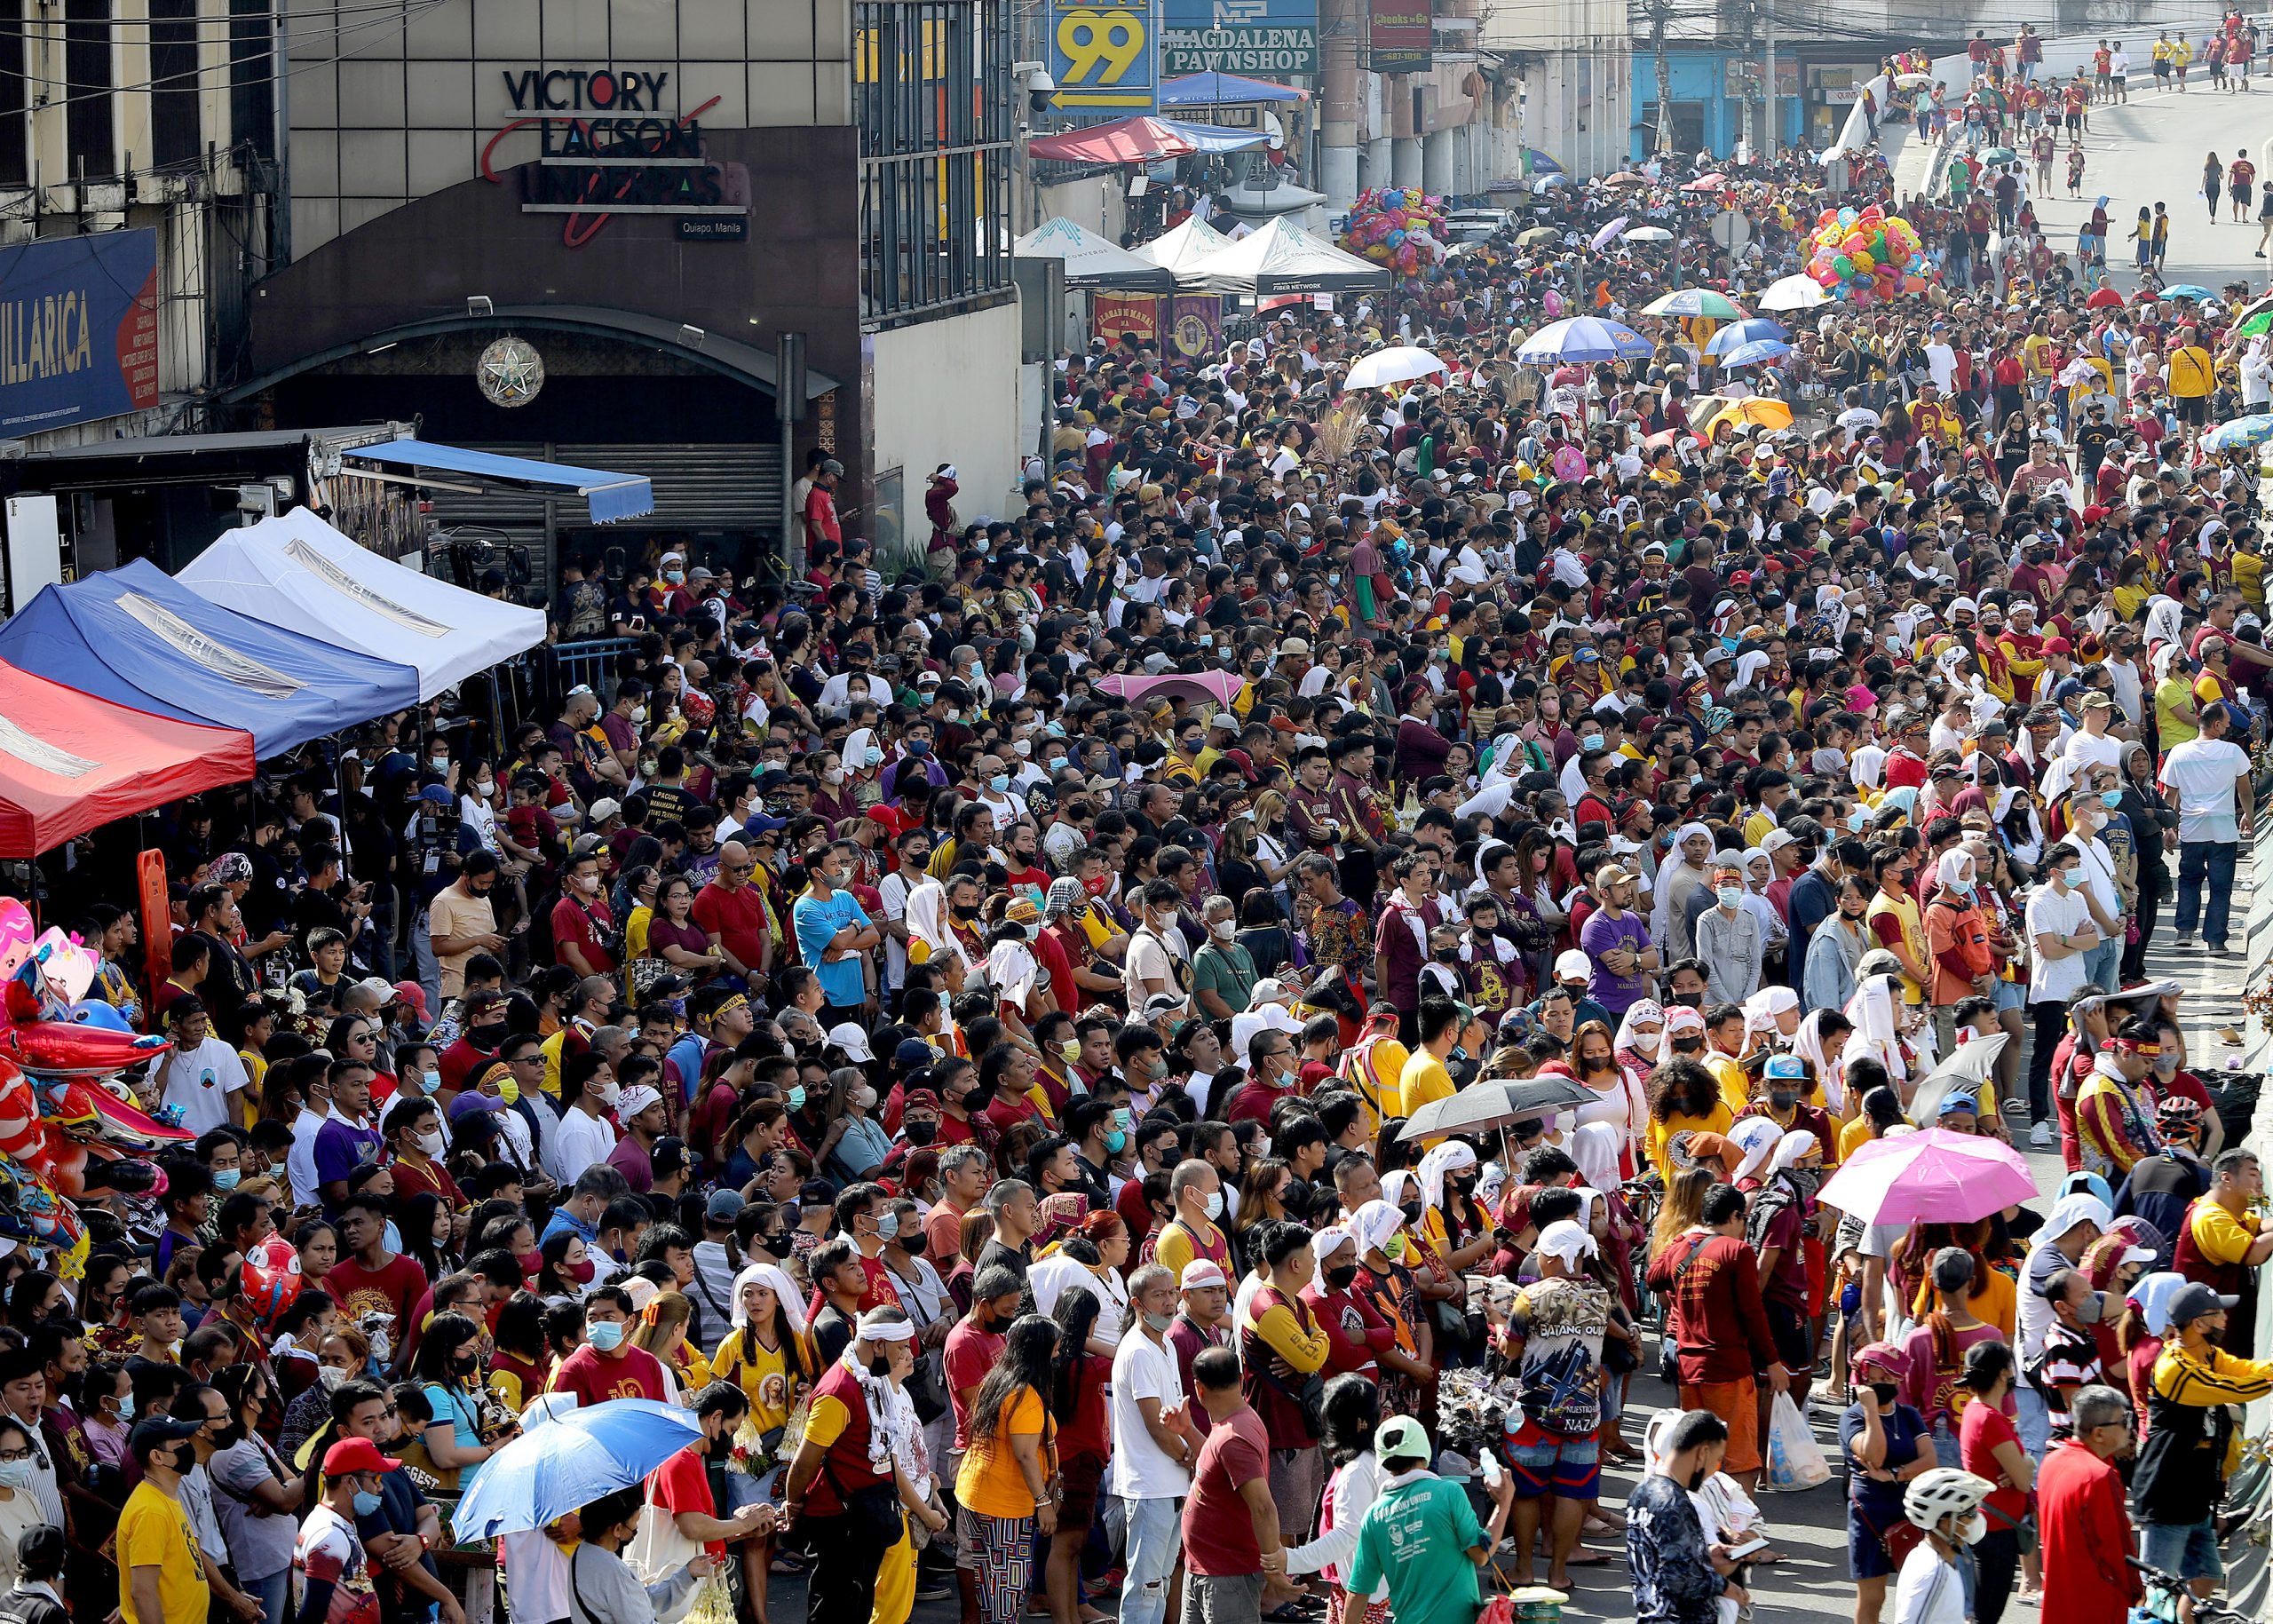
608, 496
136, 637
1214, 89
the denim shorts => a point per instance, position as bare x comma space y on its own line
2011, 996
2187, 1549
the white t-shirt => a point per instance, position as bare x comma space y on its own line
582, 1142
300, 1161
1930, 1591
1152, 957
201, 1079
1140, 1468
1056, 1274
2204, 772
2051, 914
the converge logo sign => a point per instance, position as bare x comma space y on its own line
608, 144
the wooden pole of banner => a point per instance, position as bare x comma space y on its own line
157, 918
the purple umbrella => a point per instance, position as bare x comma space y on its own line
1609, 233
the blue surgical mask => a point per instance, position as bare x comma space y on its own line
1856, 819
888, 1226
1214, 1205
872, 756
999, 782
365, 1504
126, 1406
433, 1080
1728, 896
2110, 798
1115, 1143
226, 1178
797, 1099
919, 747
1592, 741
606, 1336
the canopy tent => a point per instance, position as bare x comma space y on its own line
134, 634
1281, 258
70, 761
1214, 89
608, 496
1218, 138
1184, 245
296, 572
1141, 139
1091, 261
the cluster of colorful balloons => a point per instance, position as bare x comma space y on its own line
1400, 228
1866, 254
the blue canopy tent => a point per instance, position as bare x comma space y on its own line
609, 496
136, 637
1215, 89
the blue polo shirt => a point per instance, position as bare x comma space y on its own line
817, 923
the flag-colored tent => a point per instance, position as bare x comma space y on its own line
296, 572
70, 761
137, 637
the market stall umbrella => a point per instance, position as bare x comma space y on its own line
1090, 260
2104, 298
564, 1462
2239, 434
1583, 339
1141, 139
1998, 155
1541, 162
1400, 363
1483, 1105
1608, 233
2183, 291
1752, 329
1648, 233
1709, 412
1760, 351
1962, 1071
1695, 302
1625, 177
1933, 1176
1801, 292
1712, 182
70, 761
1538, 234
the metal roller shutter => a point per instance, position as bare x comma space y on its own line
735, 487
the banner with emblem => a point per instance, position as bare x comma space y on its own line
1196, 327
1113, 314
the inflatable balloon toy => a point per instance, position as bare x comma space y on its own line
271, 1278
69, 967
37, 1032
16, 932
23, 1134
95, 1012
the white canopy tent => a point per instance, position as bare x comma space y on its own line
1091, 261
296, 572
1281, 258
1184, 246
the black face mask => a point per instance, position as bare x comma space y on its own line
1886, 1393
231, 1436
1411, 1211
1339, 1279
1688, 1000
1697, 1479
921, 1132
487, 1037
915, 1242
1449, 955
778, 1245
880, 1367
1782, 1099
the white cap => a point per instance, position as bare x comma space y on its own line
603, 808
848, 1036
1575, 965
1199, 1273
632, 1101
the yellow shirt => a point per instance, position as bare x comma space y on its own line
635, 941
1855, 1135
1173, 1248
1905, 912
1736, 1088
2221, 1236
1423, 1079
1661, 1134
763, 1375
153, 1531
2190, 372
990, 1483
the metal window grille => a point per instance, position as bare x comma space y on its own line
252, 76
90, 83
934, 109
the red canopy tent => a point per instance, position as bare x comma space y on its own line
1138, 140
69, 762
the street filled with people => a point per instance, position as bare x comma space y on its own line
1187, 1044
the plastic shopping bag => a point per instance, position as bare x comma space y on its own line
1794, 1458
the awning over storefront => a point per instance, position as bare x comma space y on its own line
610, 496
70, 761
296, 572
1214, 89
137, 637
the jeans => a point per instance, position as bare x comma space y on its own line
1154, 1541
421, 957
2213, 860
270, 1592
2034, 1421
2050, 1016
2104, 964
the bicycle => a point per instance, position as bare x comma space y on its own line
2164, 1591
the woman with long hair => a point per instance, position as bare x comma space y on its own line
1352, 1414
1620, 1100
1990, 1446
1005, 1482
1684, 1097
449, 1369
1684, 1208
661, 1331
1080, 1378
343, 1357
520, 1365
566, 1270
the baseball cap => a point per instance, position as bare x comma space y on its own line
1199, 1273
353, 1455
848, 1036
1401, 1439
724, 1206
1573, 964
380, 986
160, 1430
2190, 1302
604, 808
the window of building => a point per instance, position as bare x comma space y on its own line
15, 112
89, 78
252, 88
936, 116
174, 135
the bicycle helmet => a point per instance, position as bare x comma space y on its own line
2178, 1111
1934, 1497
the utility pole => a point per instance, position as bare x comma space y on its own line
1768, 86
1657, 12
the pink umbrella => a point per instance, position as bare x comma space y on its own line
1221, 687
1932, 1177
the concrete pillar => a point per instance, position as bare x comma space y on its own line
1439, 169
1405, 161
1341, 84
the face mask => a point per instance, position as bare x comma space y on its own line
872, 757
226, 1178
880, 1367
888, 1226
509, 1091
999, 782
778, 1245
1886, 1393
1115, 1143
1728, 896
1592, 741
1963, 888
1223, 930
329, 1375
581, 1273
1070, 1050
1411, 1211
1339, 1279
487, 1035
921, 1132
864, 1098
2062, 878
16, 1474
365, 1504
607, 1336
797, 1098
1158, 1322
1214, 1205
1782, 1099
440, 763
962, 912
2110, 798
431, 1142
432, 1079
1697, 1479
919, 747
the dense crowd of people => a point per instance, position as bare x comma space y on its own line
954, 1029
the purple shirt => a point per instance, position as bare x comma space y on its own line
1602, 934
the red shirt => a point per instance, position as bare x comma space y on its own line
394, 1289
683, 1484
2086, 1536
634, 1374
970, 1354
1722, 1327
582, 924
737, 918
1218, 1534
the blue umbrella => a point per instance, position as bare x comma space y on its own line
2239, 433
1749, 331
1583, 338
562, 1463
2185, 290
1755, 354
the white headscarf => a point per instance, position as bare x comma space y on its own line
1595, 1147
926, 922
1756, 1136
1806, 1043
1011, 971
1567, 1241
1872, 1010
1449, 1157
1795, 1144
770, 1275
1373, 1224
1641, 1011
1761, 1009
1955, 867
1328, 1241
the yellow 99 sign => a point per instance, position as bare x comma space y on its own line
1103, 55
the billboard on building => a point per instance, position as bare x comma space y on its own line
1104, 55
1400, 37
78, 330
1264, 38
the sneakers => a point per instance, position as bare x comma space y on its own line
2184, 939
2039, 1137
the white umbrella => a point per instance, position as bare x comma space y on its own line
1648, 233
1608, 233
1400, 363
1800, 292
1911, 81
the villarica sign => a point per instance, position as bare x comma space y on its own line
610, 141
